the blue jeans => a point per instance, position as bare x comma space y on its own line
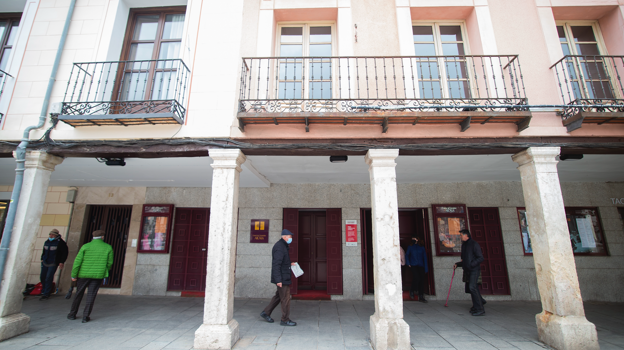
47, 278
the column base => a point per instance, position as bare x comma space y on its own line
13, 325
566, 333
389, 333
222, 336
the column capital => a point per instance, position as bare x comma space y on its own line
227, 158
542, 155
381, 157
40, 160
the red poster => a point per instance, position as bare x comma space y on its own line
351, 229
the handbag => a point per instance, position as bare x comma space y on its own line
296, 269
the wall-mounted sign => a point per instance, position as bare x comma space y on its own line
351, 230
155, 228
259, 231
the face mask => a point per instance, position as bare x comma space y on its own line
289, 241
51, 239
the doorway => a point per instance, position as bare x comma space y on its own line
115, 221
412, 223
189, 250
485, 228
312, 250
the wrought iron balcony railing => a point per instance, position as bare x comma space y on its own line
126, 93
485, 86
592, 89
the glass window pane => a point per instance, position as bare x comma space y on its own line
320, 70
164, 85
133, 88
3, 27
583, 33
290, 70
561, 32
587, 49
320, 34
291, 50
146, 28
566, 49
524, 229
140, 52
430, 89
453, 49
169, 50
5, 59
450, 33
320, 50
456, 69
289, 90
428, 70
599, 89
585, 232
292, 35
320, 90
425, 49
449, 210
422, 33
458, 89
12, 34
174, 25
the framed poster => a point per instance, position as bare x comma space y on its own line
259, 231
448, 220
155, 228
586, 234
524, 231
351, 231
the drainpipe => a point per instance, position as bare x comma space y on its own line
20, 152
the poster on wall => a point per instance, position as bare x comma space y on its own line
351, 230
524, 231
155, 228
259, 231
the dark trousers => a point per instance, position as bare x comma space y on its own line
83, 284
418, 280
47, 278
473, 288
282, 296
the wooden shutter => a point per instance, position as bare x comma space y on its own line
334, 251
291, 223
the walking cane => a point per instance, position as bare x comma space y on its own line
449, 293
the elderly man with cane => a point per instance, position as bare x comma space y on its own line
471, 259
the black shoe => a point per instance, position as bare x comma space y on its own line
472, 309
86, 319
71, 317
412, 295
478, 313
422, 299
288, 323
484, 302
266, 317
44, 297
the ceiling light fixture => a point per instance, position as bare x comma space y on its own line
570, 157
112, 161
338, 159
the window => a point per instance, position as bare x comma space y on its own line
586, 235
152, 35
448, 220
308, 77
441, 77
589, 77
8, 33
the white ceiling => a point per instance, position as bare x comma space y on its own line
196, 171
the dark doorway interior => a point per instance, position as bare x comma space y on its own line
486, 229
412, 222
313, 250
4, 208
115, 221
189, 250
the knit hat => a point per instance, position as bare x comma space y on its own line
98, 233
54, 232
285, 232
465, 232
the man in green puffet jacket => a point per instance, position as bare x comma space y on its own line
91, 266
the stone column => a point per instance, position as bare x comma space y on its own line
562, 323
388, 329
220, 329
38, 168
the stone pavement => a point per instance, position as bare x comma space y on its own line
133, 322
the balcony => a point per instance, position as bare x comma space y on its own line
126, 93
591, 88
383, 91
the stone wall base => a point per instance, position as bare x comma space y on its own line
209, 336
389, 333
566, 333
13, 325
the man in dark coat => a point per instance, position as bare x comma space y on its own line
471, 259
280, 275
53, 256
416, 259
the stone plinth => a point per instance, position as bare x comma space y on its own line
562, 323
38, 169
219, 330
387, 327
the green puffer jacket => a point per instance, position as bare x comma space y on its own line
94, 260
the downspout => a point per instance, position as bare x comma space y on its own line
20, 152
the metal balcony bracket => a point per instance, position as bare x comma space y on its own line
524, 124
345, 121
384, 125
275, 121
241, 125
307, 124
577, 120
416, 120
465, 124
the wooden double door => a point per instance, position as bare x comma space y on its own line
189, 250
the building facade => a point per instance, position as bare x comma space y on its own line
194, 131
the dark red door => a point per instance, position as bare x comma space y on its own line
189, 250
486, 230
312, 250
291, 223
334, 251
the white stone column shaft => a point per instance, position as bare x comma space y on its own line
220, 329
387, 327
38, 169
562, 323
